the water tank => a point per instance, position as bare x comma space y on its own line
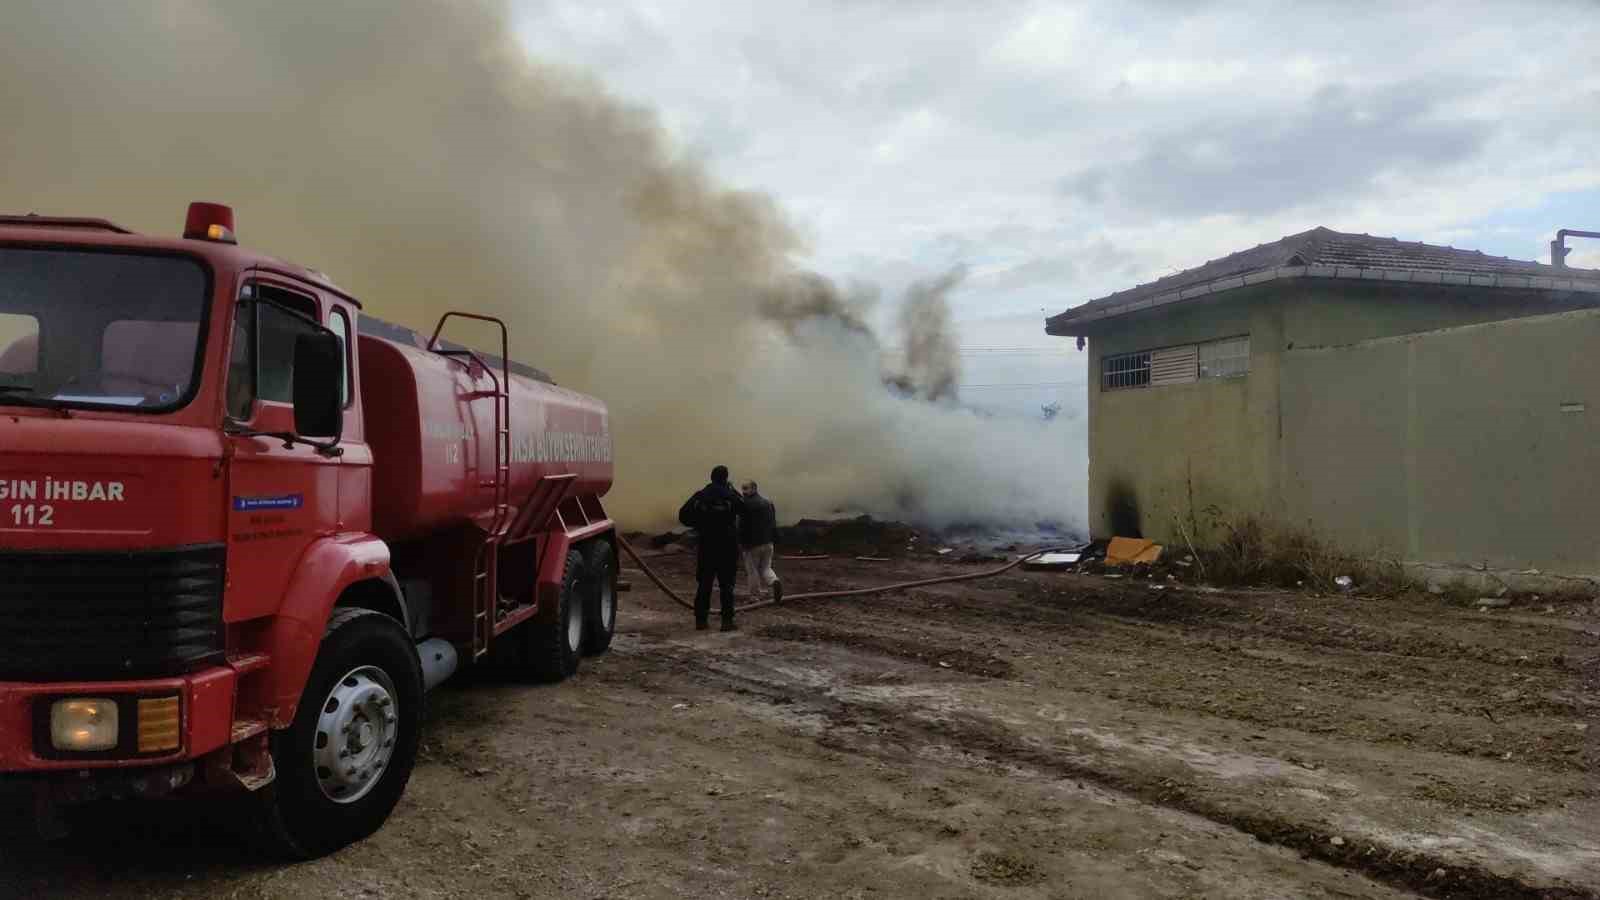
432, 437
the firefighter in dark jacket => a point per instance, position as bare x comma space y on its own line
714, 512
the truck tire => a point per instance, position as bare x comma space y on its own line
601, 621
362, 707
554, 648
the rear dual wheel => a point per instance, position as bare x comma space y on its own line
586, 619
554, 648
601, 595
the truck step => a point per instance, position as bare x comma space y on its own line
245, 663
245, 729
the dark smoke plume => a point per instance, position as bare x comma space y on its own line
932, 358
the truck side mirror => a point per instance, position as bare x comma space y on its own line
318, 370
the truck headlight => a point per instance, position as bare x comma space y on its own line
84, 724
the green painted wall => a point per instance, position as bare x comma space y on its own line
1472, 445
1380, 444
1321, 313
1164, 453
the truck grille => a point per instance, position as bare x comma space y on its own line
110, 615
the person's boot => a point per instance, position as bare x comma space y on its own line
727, 624
701, 625
777, 592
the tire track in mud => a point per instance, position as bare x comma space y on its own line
1407, 869
1230, 613
965, 661
1223, 627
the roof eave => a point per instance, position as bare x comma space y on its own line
1068, 324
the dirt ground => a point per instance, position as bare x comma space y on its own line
1036, 735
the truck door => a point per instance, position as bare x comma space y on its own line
280, 498
355, 464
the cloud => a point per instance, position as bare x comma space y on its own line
1341, 142
897, 132
1584, 258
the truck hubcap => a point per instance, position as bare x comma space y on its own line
356, 733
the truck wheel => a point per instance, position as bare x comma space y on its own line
602, 597
554, 648
343, 764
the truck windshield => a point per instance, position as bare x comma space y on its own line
99, 329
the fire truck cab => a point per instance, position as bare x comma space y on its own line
244, 527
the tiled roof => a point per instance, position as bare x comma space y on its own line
1328, 253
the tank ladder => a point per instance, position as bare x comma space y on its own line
485, 565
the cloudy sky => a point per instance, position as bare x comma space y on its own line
1062, 151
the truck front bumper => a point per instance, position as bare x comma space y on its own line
205, 702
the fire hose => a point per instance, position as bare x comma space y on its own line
824, 595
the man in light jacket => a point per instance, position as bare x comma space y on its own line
758, 535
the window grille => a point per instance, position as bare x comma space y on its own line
1125, 370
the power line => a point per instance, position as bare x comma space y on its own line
1039, 351
1000, 385
1032, 350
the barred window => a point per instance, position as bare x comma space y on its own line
1127, 370
1226, 358
1181, 364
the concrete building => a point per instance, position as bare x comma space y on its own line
1436, 405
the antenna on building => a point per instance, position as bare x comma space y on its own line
1559, 248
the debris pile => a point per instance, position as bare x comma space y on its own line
867, 538
1137, 558
1132, 552
860, 536
676, 541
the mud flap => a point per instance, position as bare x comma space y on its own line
253, 766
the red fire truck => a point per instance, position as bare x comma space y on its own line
245, 526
